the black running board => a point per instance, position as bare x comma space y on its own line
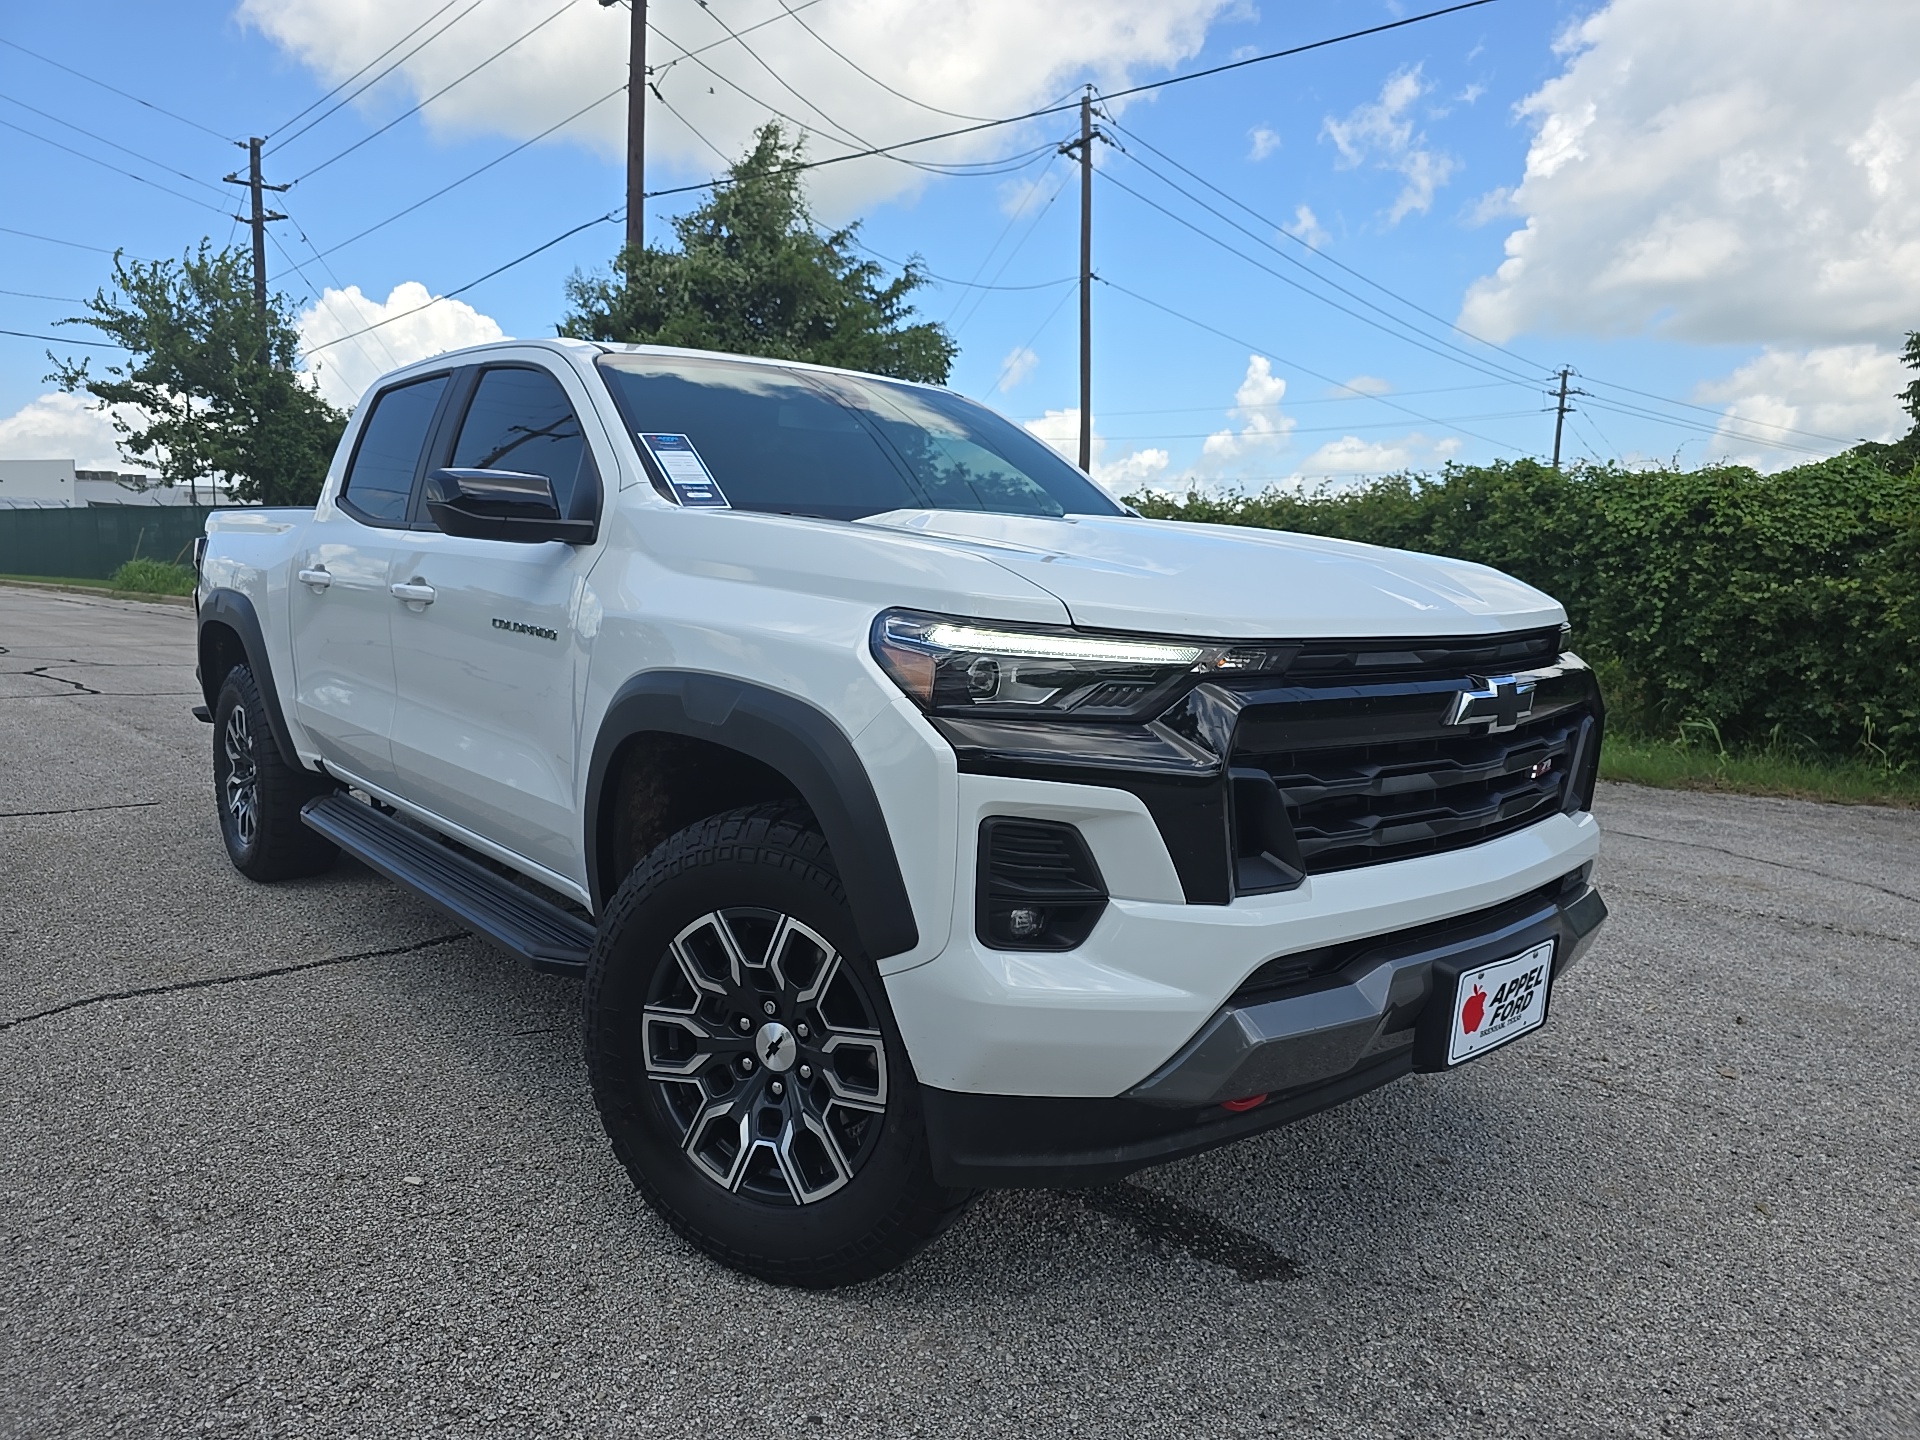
494, 908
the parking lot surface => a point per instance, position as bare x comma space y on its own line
305, 1160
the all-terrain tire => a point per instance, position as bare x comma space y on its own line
258, 793
806, 1165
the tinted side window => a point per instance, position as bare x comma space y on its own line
520, 420
380, 480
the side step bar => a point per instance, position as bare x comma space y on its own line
496, 909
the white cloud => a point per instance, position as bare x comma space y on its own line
1720, 171
1016, 367
1262, 142
1307, 226
978, 57
1383, 133
1061, 430
59, 426
1369, 385
1350, 457
1842, 392
345, 370
1256, 405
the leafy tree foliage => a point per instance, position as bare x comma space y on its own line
1903, 455
209, 380
754, 275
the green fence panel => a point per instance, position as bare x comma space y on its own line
92, 543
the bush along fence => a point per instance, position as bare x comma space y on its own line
1754, 610
92, 543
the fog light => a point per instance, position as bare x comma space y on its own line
1024, 923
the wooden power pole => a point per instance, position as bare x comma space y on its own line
1561, 410
636, 123
257, 217
1085, 146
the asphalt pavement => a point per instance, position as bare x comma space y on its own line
304, 1160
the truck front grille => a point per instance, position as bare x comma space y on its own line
1364, 804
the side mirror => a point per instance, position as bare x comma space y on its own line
501, 505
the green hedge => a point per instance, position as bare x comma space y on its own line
1765, 610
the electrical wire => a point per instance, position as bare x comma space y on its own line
115, 89
1450, 421
946, 280
1062, 108
1007, 229
417, 107
62, 340
36, 295
1294, 365
113, 144
611, 215
1288, 280
1291, 404
71, 244
859, 70
338, 284
315, 104
481, 170
104, 165
349, 99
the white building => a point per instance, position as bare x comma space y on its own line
42, 484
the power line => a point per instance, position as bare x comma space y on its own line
1293, 365
1288, 280
111, 144
316, 104
349, 99
104, 165
35, 295
859, 70
62, 340
481, 170
115, 89
70, 244
1449, 421
1062, 108
969, 284
416, 108
1358, 395
611, 215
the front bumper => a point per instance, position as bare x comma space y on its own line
1304, 1048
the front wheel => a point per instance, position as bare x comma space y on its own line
259, 793
746, 1064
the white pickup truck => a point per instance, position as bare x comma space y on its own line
920, 819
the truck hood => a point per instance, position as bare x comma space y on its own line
1235, 582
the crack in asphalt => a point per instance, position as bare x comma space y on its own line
209, 983
1159, 1219
1761, 860
40, 672
1687, 902
79, 809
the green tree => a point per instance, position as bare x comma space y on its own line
208, 391
1903, 455
754, 275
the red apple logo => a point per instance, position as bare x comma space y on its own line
1474, 1011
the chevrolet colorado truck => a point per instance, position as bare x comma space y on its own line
919, 818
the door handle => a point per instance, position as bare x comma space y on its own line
415, 591
316, 577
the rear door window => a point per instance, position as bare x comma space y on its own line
379, 481
520, 419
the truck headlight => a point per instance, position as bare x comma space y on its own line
960, 666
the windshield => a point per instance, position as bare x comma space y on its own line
840, 446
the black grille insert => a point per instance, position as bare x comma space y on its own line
1367, 803
1038, 886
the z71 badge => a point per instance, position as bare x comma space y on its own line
517, 628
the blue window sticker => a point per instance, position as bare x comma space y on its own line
692, 483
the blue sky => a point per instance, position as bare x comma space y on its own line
1712, 208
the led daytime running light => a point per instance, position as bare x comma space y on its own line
976, 641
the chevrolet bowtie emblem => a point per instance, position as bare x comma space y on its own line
1499, 702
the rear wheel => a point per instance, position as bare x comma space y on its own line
746, 1064
259, 793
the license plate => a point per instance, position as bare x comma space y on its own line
1499, 1002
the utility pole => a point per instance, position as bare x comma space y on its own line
1561, 410
636, 122
1084, 147
258, 219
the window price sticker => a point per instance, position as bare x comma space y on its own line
686, 472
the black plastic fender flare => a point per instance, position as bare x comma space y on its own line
790, 736
235, 611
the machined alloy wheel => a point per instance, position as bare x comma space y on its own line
744, 1058
242, 786
767, 1055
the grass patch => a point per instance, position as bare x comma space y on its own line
153, 577
1677, 765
